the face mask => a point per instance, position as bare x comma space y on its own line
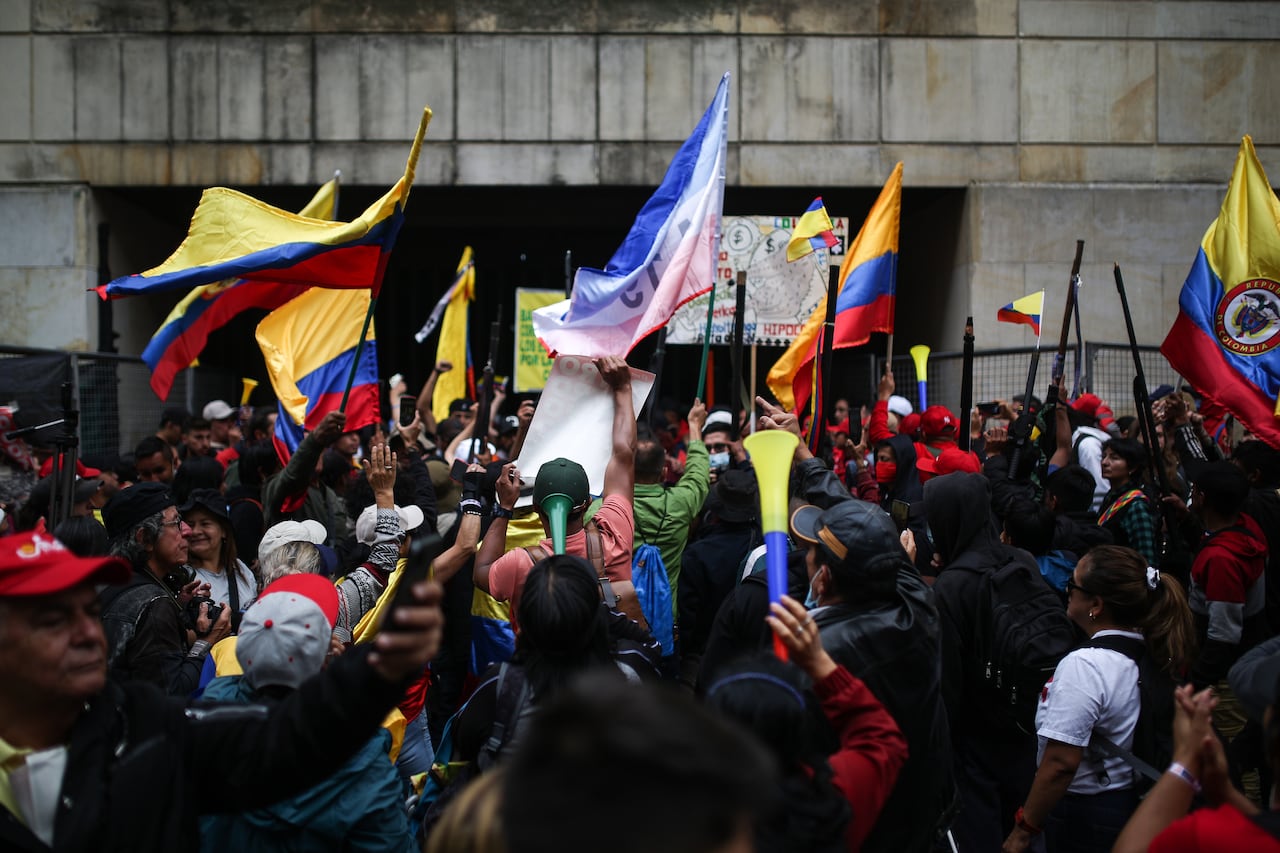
720, 461
886, 472
811, 599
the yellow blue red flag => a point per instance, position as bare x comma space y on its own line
812, 232
209, 307
309, 344
1026, 310
865, 300
1226, 338
233, 235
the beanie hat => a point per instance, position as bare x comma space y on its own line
900, 406
366, 525
284, 636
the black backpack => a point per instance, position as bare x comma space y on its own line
1153, 737
1020, 637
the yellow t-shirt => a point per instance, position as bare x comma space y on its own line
11, 758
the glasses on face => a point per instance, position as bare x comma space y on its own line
1072, 586
177, 522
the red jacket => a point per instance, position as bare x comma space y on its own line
872, 749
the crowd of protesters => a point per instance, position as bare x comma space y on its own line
1017, 628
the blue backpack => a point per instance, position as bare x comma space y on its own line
653, 588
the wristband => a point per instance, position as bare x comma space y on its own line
500, 511
1025, 825
201, 647
469, 506
1177, 769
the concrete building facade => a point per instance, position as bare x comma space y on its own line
1109, 121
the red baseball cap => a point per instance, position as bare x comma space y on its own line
83, 471
949, 461
937, 421
1087, 403
34, 564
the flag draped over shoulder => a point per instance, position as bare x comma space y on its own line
309, 345
454, 344
1226, 338
812, 232
1026, 311
233, 235
209, 307
865, 300
667, 259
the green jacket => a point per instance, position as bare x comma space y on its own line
322, 504
663, 515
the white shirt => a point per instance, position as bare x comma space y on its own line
1089, 454
1092, 690
219, 590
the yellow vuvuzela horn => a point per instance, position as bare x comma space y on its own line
920, 355
771, 454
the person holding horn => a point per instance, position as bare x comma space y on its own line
560, 497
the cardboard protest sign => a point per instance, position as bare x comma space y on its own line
575, 420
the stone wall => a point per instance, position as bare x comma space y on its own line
1078, 117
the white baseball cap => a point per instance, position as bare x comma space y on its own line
292, 531
366, 525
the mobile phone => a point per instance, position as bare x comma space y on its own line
991, 408
459, 470
408, 409
899, 511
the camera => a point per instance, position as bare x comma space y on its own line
193, 611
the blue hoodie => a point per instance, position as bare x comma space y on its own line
360, 807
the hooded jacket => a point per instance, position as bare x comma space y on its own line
1078, 535
958, 507
1228, 597
358, 807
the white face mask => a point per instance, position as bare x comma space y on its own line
719, 461
811, 600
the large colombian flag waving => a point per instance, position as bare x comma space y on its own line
233, 235
209, 307
865, 300
1226, 339
309, 345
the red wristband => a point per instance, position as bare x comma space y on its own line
1025, 825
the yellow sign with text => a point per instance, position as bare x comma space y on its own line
532, 364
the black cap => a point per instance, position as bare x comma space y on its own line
851, 534
130, 507
209, 500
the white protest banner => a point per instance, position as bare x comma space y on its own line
575, 420
780, 295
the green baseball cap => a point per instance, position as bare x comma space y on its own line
561, 477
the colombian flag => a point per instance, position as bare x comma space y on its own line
207, 308
233, 235
864, 304
1225, 339
309, 346
1026, 310
812, 232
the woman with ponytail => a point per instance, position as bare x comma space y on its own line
838, 749
1081, 797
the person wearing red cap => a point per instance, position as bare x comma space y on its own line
101, 765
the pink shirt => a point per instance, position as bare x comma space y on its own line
617, 529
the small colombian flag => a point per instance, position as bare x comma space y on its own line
812, 232
1026, 310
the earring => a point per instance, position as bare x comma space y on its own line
1091, 616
